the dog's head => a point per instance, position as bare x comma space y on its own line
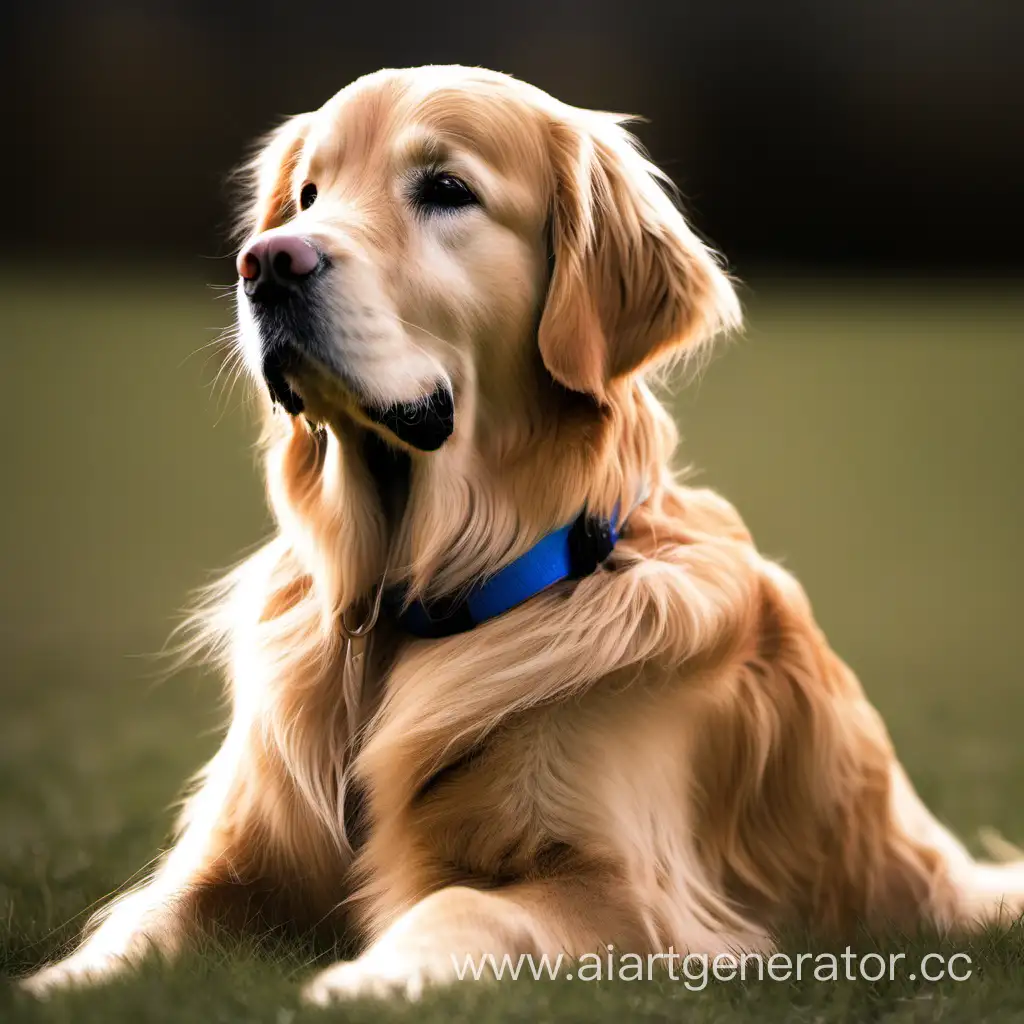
431, 243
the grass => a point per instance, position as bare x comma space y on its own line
872, 438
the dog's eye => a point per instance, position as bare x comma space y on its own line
440, 191
307, 197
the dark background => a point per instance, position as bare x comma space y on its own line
821, 135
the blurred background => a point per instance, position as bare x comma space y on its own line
860, 164
821, 135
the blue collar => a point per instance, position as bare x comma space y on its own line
571, 552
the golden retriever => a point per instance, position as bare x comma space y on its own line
452, 292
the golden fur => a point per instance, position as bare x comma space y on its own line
666, 753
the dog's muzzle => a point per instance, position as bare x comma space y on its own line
277, 271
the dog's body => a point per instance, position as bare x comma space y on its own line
664, 753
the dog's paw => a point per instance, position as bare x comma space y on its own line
75, 972
373, 978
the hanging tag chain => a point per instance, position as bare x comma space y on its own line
357, 644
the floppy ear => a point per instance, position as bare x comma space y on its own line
269, 177
630, 281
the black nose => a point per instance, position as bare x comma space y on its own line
273, 267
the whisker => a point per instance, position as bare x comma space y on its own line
417, 327
223, 337
231, 358
237, 371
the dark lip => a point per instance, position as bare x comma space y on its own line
424, 424
276, 362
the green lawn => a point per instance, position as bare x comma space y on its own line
872, 437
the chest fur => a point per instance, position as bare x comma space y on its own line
579, 780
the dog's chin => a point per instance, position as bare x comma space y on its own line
423, 423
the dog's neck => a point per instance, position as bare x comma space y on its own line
353, 505
390, 469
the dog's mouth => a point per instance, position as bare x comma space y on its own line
424, 423
276, 362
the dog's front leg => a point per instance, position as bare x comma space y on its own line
149, 920
455, 931
161, 916
428, 944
